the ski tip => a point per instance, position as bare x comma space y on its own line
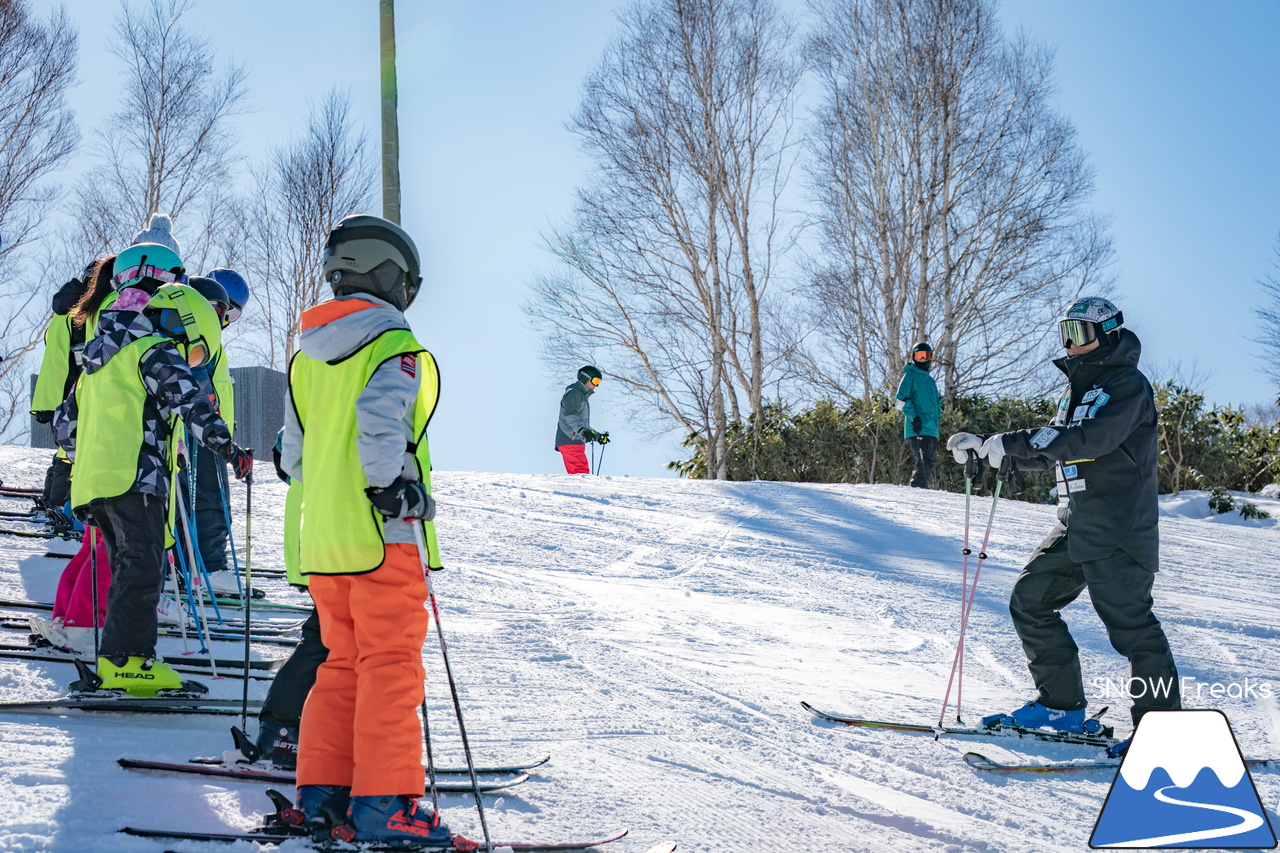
977, 759
664, 847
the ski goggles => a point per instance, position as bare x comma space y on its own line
595, 380
921, 355
229, 316
148, 271
1077, 333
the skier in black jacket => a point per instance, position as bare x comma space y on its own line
1102, 443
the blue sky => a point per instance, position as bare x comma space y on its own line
1176, 103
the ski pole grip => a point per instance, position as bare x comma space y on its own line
972, 465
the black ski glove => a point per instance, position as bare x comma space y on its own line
916, 424
44, 417
241, 460
602, 437
590, 435
407, 499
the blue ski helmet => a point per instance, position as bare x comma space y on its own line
237, 290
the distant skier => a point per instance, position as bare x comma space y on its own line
227, 292
1102, 443
361, 392
573, 429
921, 408
116, 427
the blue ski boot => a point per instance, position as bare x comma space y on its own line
320, 805
395, 821
1117, 750
1033, 715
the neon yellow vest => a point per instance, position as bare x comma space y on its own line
292, 521
340, 532
221, 377
52, 379
109, 430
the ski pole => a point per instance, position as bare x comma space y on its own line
967, 592
173, 578
182, 512
453, 688
247, 589
602, 449
93, 567
224, 497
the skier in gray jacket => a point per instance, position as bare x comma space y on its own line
1103, 445
573, 429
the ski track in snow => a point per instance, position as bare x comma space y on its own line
656, 636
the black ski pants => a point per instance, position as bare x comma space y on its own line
210, 516
1121, 593
133, 531
57, 483
292, 682
925, 450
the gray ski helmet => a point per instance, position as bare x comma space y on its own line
589, 375
1088, 318
369, 254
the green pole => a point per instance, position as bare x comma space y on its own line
390, 125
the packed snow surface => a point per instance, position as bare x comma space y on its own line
656, 637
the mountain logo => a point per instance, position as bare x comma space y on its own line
1183, 783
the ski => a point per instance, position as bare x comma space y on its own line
288, 776
134, 705
258, 604
194, 666
1102, 739
30, 534
221, 663
981, 762
258, 774
460, 844
268, 626
14, 623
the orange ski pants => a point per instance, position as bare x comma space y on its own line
360, 724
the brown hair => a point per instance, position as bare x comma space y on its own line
98, 286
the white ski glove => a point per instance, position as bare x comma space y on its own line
993, 450
961, 443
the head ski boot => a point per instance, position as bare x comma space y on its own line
139, 676
1033, 715
394, 821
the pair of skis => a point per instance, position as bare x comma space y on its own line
459, 845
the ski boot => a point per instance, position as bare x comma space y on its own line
224, 584
277, 745
134, 676
170, 612
393, 821
1033, 715
318, 811
1118, 750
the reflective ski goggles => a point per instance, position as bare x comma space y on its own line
148, 271
921, 355
229, 316
595, 380
1077, 333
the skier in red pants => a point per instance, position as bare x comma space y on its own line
573, 430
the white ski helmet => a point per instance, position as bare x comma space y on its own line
1090, 318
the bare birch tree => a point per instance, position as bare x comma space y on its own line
37, 134
169, 148
668, 260
951, 197
1269, 315
300, 194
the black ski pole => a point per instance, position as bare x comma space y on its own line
93, 567
601, 465
453, 687
248, 586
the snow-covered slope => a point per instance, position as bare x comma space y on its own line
656, 637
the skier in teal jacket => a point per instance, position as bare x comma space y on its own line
921, 407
